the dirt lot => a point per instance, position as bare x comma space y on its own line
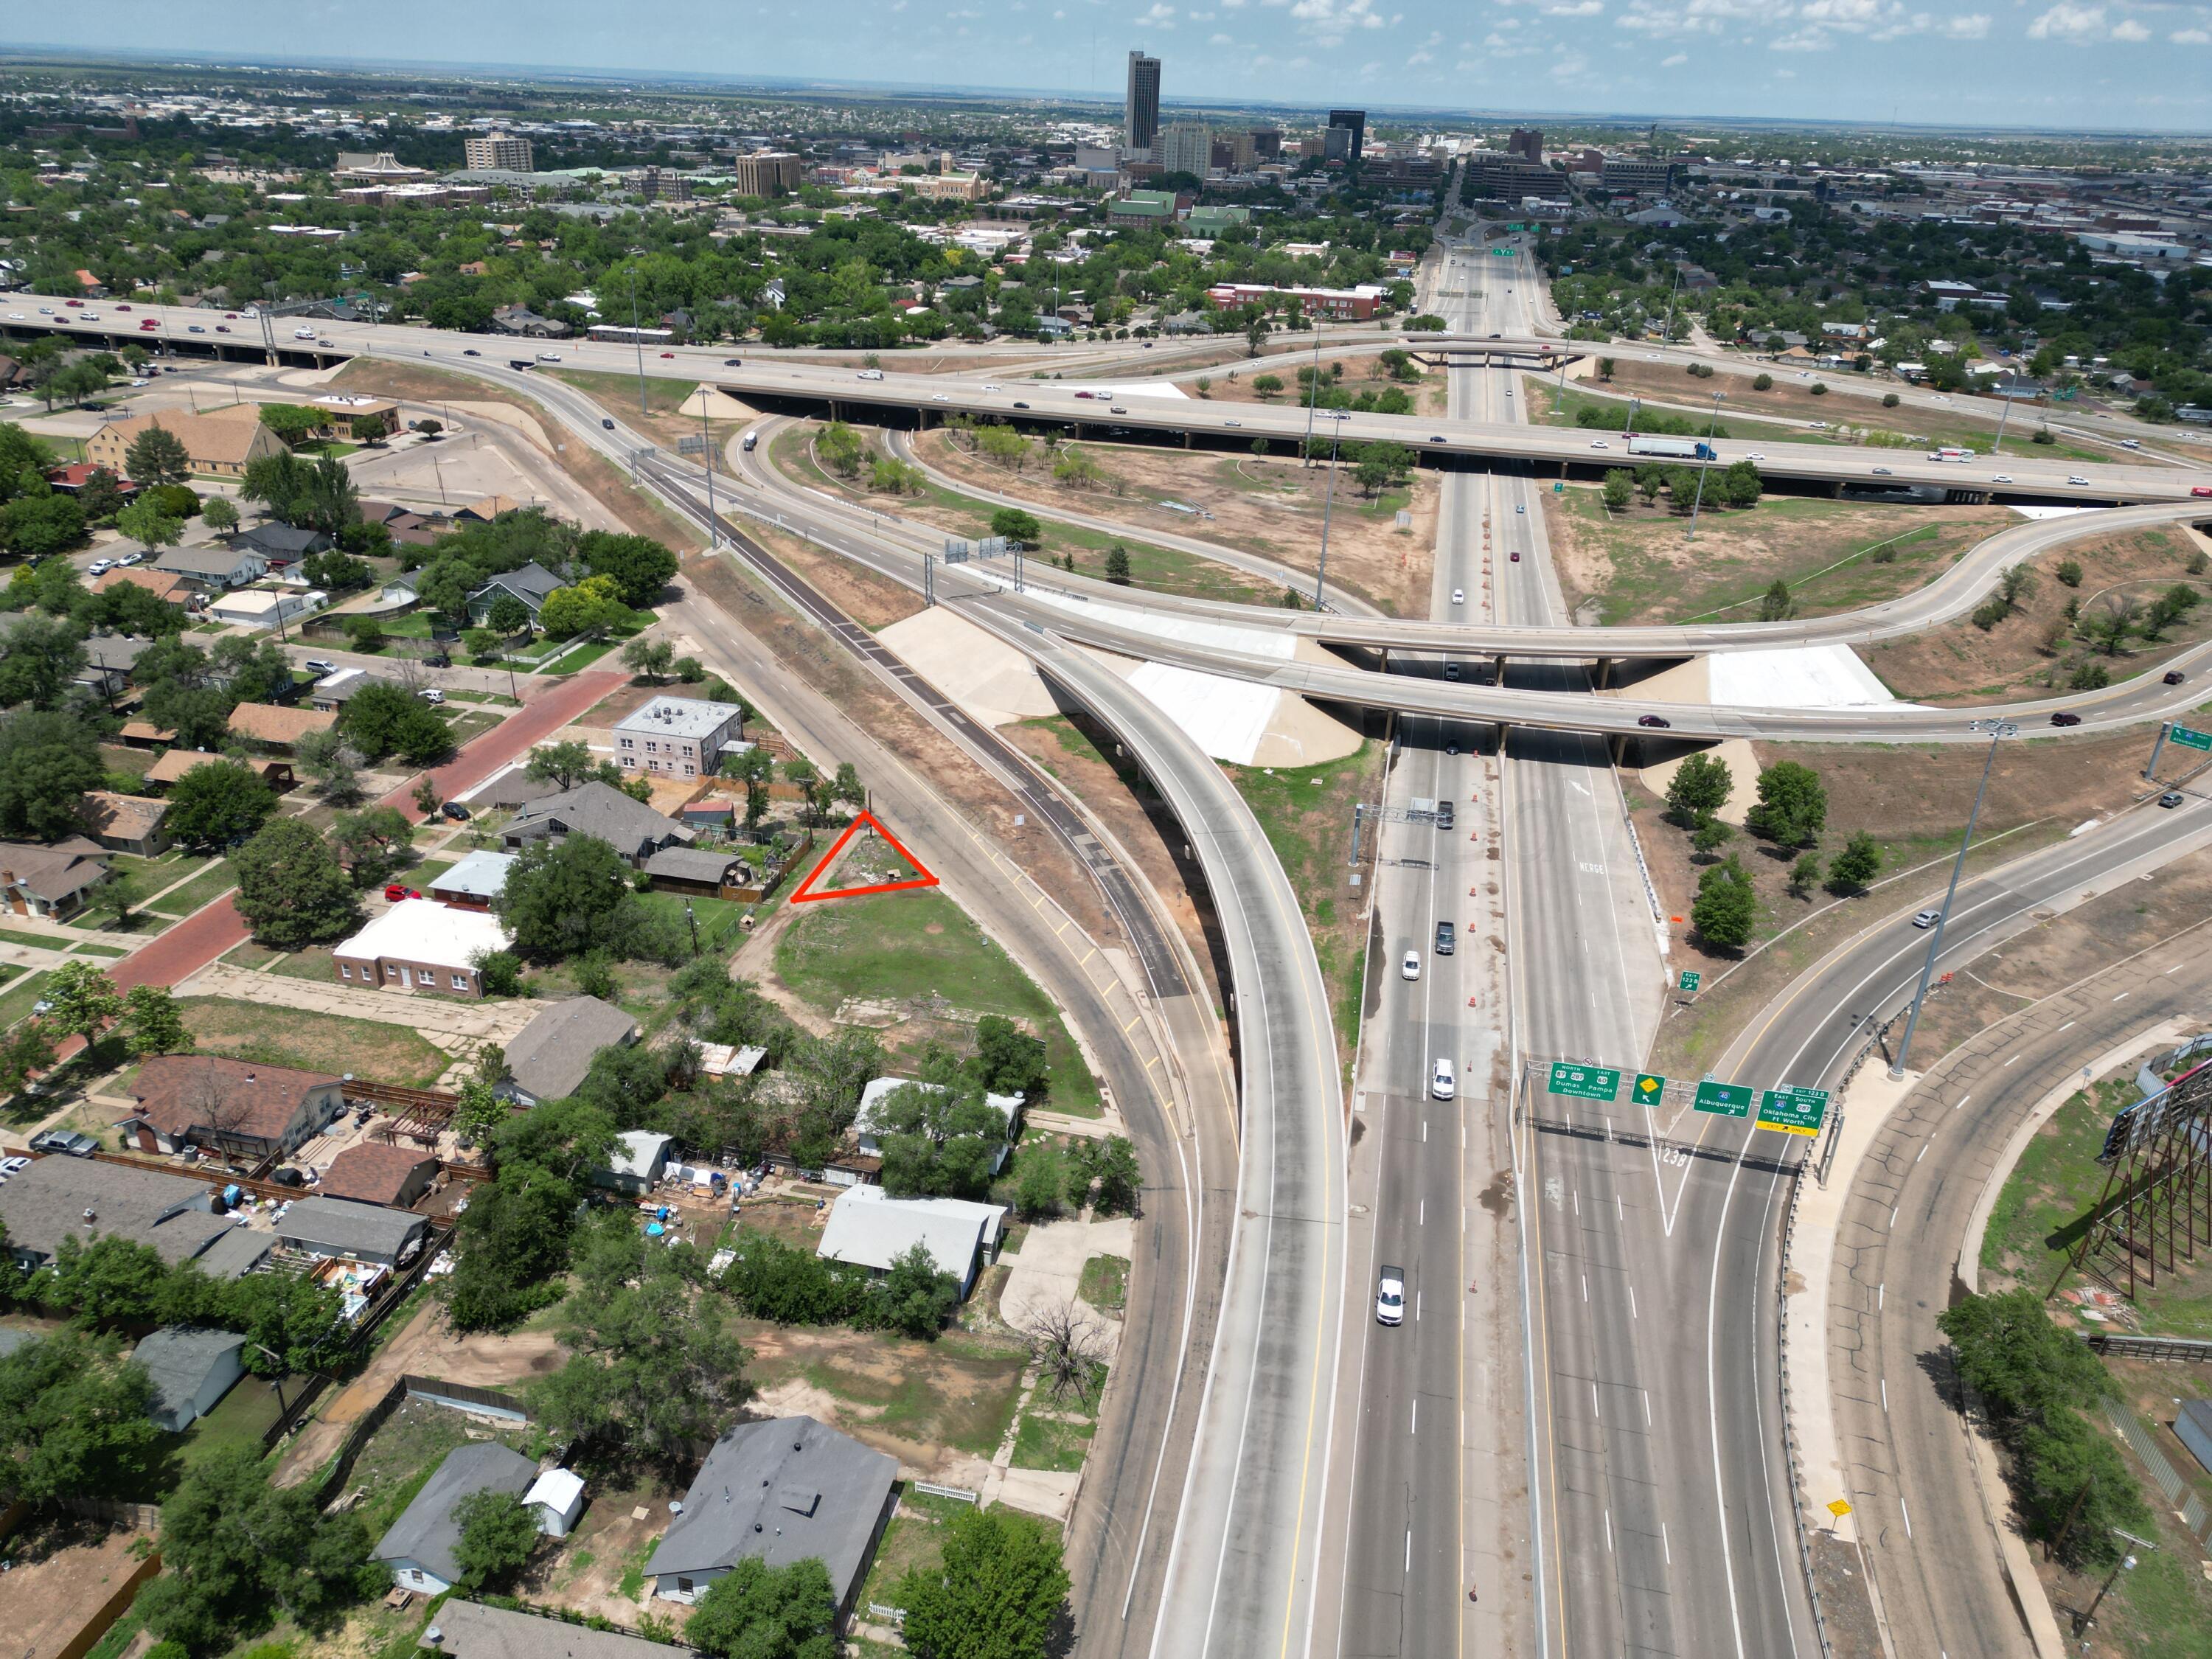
59, 1573
873, 601
1638, 565
2033, 648
1914, 802
632, 508
313, 1042
1270, 507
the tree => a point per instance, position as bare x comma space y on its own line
1805, 875
1740, 485
292, 423
2068, 573
383, 719
156, 1026
916, 1299
292, 1323
652, 1367
840, 448
100, 495
1700, 788
1619, 486
1068, 1343
371, 844
592, 606
754, 1611
481, 1111
2009, 1351
568, 900
997, 1595
73, 383
48, 762
639, 567
1776, 604
649, 658
939, 1138
505, 614
2089, 675
34, 526
1017, 526
1726, 907
330, 762
85, 1002
2015, 582
498, 1531
1265, 386
73, 1419
1108, 1168
2169, 610
291, 888
846, 787
26, 1049
157, 456
144, 521
40, 658
1003, 444
1040, 1182
756, 767
218, 514
218, 801
1117, 565
1710, 836
1792, 807
1856, 865
236, 1550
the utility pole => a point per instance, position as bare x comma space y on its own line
1328, 504
1998, 730
1313, 396
1704, 465
637, 339
707, 440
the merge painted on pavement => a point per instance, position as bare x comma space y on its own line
1584, 1082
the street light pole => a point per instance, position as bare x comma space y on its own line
637, 338
1313, 396
1704, 465
707, 439
1998, 730
1328, 504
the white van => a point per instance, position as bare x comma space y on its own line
752, 439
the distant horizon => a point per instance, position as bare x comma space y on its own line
1294, 87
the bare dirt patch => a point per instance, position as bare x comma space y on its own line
2036, 647
1639, 566
1914, 802
873, 601
59, 1573
1270, 507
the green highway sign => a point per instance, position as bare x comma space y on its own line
1584, 1082
1792, 1110
1689, 981
1729, 1099
2189, 739
1649, 1091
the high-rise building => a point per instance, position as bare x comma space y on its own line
1267, 142
1186, 146
767, 173
1140, 110
500, 150
1527, 142
1356, 121
1336, 145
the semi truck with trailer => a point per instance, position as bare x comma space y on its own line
1673, 449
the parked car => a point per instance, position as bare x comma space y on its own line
1390, 1296
431, 694
456, 812
1658, 720
319, 666
13, 1166
68, 1142
129, 559
2066, 717
395, 892
99, 566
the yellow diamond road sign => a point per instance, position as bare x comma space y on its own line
1839, 1508
1649, 1089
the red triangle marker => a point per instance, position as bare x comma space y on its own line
921, 877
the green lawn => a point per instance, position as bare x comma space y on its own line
715, 917
897, 946
36, 941
1105, 1283
16, 1000
1051, 1443
85, 948
240, 1419
312, 1041
584, 657
210, 884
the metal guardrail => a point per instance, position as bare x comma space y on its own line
1789, 1431
2148, 1347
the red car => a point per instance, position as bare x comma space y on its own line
668, 353
2200, 489
123, 307
146, 323
79, 303
395, 892
1515, 557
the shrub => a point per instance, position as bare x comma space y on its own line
1889, 400
1762, 383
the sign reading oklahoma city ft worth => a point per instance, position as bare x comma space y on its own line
1794, 1111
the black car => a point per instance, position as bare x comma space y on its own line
733, 362
2065, 717
470, 351
2174, 677
456, 812
1653, 720
437, 659
1019, 404
610, 425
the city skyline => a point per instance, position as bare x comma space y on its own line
2141, 66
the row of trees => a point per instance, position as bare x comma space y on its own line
1738, 486
1791, 814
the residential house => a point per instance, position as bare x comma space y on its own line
866, 1122
222, 442
531, 584
635, 831
487, 509
334, 691
418, 1549
679, 737
790, 1489
371, 1172
354, 1232
240, 1106
276, 774
192, 1369
418, 528
164, 585
421, 945
696, 871
173, 1215
522, 320
54, 881
109, 660
636, 1165
547, 1059
272, 727
344, 417
144, 734
871, 1228
216, 568
475, 882
70, 479
280, 544
261, 607
127, 823
471, 1631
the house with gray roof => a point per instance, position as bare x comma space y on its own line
635, 830
216, 566
548, 1058
473, 1630
419, 1548
356, 1232
191, 1368
58, 1198
792, 1489
531, 585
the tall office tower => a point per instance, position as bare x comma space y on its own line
1141, 111
1527, 142
1186, 146
1355, 119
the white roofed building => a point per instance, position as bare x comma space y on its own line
419, 945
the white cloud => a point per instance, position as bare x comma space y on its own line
2068, 21
1426, 51
1568, 67
1329, 20
2128, 29
2191, 38
1801, 40
1673, 59
1161, 16
1974, 25
1575, 9
1219, 40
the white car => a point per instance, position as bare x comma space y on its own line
1390, 1296
14, 1165
994, 388
2076, 479
1441, 1084
1459, 596
131, 559
15, 317
141, 382
1232, 423
866, 375
2000, 478
1756, 455
1599, 443
1411, 967
1926, 918
431, 694
941, 398
99, 566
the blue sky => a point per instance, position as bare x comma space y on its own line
2058, 64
